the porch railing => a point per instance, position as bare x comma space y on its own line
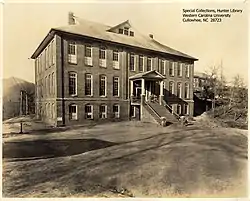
171, 110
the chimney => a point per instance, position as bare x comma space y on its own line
71, 19
151, 35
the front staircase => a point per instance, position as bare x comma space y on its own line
158, 112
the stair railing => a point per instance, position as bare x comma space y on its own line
156, 113
172, 111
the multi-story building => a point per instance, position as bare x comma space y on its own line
88, 71
200, 80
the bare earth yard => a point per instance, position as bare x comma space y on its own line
126, 159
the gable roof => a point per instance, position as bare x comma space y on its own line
104, 32
153, 74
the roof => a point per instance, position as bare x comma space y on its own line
201, 75
104, 32
153, 74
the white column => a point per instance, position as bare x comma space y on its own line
131, 88
161, 88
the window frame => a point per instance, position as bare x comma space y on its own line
171, 92
141, 58
132, 55
118, 86
87, 113
105, 86
101, 113
72, 52
151, 63
116, 63
171, 68
91, 84
76, 113
116, 114
186, 90
71, 76
179, 93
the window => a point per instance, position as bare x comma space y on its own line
103, 111
115, 86
88, 55
179, 69
178, 109
133, 111
89, 111
45, 59
179, 90
186, 109
72, 53
149, 64
120, 31
162, 66
131, 33
88, 85
186, 90
187, 70
72, 112
171, 68
53, 53
52, 83
126, 30
102, 57
116, 111
49, 56
72, 84
53, 111
171, 88
49, 84
103, 80
141, 63
45, 86
132, 62
115, 59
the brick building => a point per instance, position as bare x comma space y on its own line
88, 71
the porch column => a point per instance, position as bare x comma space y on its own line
131, 88
161, 92
142, 91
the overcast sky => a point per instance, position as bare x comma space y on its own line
25, 25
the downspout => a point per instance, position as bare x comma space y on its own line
62, 78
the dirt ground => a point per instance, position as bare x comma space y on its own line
126, 159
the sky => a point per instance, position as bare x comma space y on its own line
26, 24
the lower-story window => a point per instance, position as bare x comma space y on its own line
103, 111
133, 111
186, 109
89, 111
73, 112
178, 109
116, 111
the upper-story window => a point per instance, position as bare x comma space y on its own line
72, 55
88, 55
171, 88
179, 90
141, 63
132, 62
162, 66
126, 31
53, 52
72, 84
149, 64
88, 84
115, 86
102, 56
103, 80
187, 70
186, 94
179, 69
116, 59
171, 68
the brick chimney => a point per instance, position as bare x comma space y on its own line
71, 19
151, 35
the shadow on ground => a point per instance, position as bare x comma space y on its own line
28, 150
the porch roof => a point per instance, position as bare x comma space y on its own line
150, 75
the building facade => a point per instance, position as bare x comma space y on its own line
87, 72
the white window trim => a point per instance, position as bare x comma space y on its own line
105, 95
187, 112
143, 66
91, 89
188, 70
118, 113
116, 64
102, 62
70, 56
91, 113
118, 86
134, 112
180, 95
173, 68
105, 113
86, 58
75, 81
173, 88
188, 88
132, 54
151, 62
71, 119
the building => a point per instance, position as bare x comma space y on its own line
88, 71
200, 80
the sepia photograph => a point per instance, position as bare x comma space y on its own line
125, 100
